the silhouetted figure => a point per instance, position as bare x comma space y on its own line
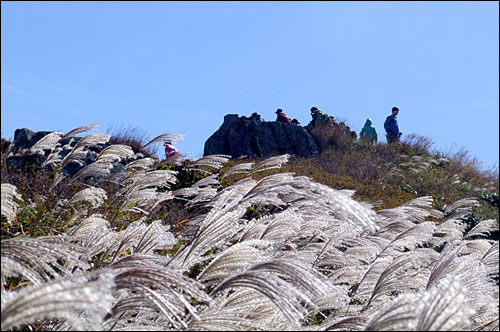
295, 122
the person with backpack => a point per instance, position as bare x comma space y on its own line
318, 118
368, 133
391, 127
281, 117
170, 150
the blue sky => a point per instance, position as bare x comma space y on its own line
179, 67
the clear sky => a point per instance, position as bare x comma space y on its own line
179, 67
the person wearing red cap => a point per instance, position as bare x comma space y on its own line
281, 117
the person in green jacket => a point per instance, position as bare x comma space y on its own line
368, 133
318, 118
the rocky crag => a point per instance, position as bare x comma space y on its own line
242, 136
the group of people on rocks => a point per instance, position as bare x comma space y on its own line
280, 117
367, 134
316, 114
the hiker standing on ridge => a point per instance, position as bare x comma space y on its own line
295, 122
391, 127
368, 133
281, 117
170, 150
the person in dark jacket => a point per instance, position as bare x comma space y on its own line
281, 117
256, 117
391, 126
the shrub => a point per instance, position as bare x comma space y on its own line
133, 137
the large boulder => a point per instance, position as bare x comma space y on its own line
240, 136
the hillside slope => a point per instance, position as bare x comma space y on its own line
281, 243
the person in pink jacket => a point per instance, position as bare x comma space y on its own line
170, 150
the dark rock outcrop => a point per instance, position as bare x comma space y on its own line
240, 136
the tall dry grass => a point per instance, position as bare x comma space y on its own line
266, 250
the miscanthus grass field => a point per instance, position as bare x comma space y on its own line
357, 238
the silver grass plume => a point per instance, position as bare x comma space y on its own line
95, 196
138, 238
270, 163
141, 198
141, 188
203, 190
278, 227
476, 246
147, 179
41, 259
9, 205
480, 290
408, 272
440, 309
473, 273
115, 152
451, 228
274, 280
236, 258
328, 253
461, 204
48, 142
77, 153
243, 309
67, 298
344, 324
194, 189
283, 227
411, 238
79, 130
299, 189
213, 161
484, 228
155, 237
218, 226
164, 137
141, 163
167, 290
88, 140
416, 210
445, 263
94, 233
490, 260
248, 168
356, 263
97, 168
242, 168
